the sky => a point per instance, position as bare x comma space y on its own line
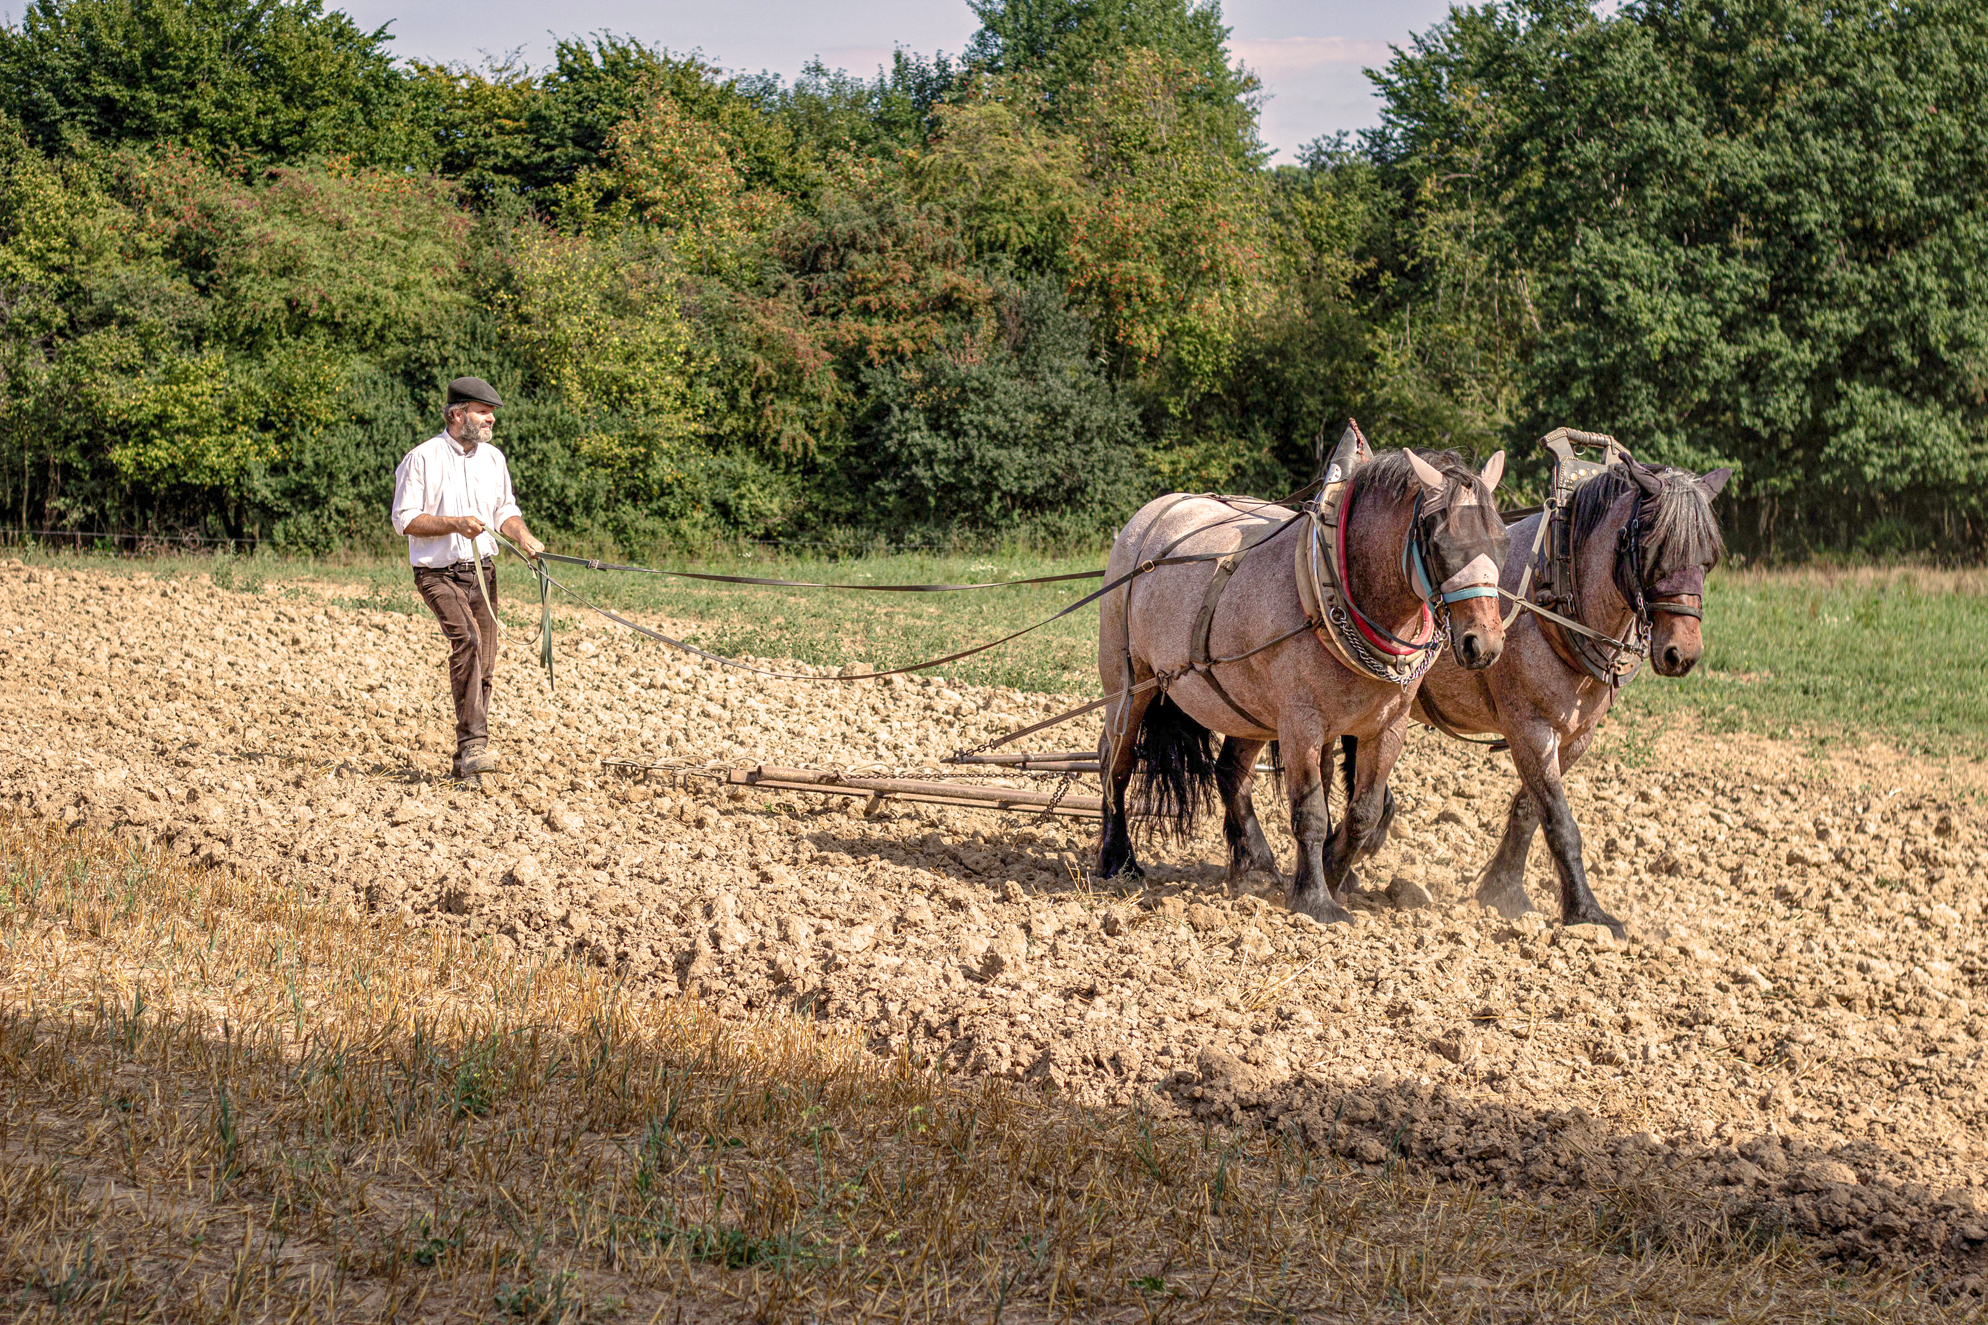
1309, 54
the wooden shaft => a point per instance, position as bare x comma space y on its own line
773, 778
1052, 756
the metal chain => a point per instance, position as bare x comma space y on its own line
1049, 810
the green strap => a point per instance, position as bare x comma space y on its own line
545, 627
544, 604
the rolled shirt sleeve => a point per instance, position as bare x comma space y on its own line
436, 478
410, 490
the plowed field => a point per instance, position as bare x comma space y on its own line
1796, 1023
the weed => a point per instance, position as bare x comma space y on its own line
541, 1301
1636, 743
428, 1249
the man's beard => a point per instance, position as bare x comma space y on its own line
472, 433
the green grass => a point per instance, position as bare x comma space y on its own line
1819, 655
1828, 655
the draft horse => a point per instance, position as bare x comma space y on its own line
1640, 544
1314, 624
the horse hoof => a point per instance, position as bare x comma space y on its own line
1598, 918
1324, 910
1511, 903
1128, 867
1241, 870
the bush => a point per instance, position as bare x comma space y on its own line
1033, 429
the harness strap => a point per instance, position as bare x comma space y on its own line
1204, 621
1521, 599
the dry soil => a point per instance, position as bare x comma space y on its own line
1796, 1024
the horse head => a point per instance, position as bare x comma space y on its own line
1667, 539
1456, 552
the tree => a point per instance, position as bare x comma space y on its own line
1062, 43
1014, 182
1025, 429
1168, 252
1758, 227
249, 82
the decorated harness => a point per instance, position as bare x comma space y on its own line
1361, 644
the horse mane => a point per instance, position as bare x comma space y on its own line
1388, 475
1681, 531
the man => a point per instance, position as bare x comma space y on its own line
447, 493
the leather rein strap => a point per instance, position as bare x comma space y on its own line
547, 582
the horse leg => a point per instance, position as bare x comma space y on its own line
1235, 775
1116, 758
1349, 747
1369, 809
1311, 821
1503, 885
1541, 771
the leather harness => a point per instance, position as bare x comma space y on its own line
1362, 646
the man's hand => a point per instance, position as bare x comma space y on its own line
469, 526
515, 530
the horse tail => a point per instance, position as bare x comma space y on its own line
1176, 770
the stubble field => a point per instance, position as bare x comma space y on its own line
1792, 1035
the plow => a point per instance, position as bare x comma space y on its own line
877, 791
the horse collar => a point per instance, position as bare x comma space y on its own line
1324, 588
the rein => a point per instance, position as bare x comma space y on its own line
548, 583
592, 564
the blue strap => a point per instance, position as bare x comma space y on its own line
1417, 575
1476, 591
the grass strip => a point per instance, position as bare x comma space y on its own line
221, 1102
1828, 655
1820, 654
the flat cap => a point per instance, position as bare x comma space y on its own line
473, 388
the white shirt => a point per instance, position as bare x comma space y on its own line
436, 478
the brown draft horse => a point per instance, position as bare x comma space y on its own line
1543, 696
1416, 532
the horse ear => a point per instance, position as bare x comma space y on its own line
1644, 477
1432, 478
1494, 469
1714, 482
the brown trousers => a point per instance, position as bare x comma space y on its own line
451, 595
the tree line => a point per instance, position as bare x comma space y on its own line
1012, 292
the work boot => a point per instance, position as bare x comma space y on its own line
475, 758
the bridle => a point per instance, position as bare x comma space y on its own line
1436, 598
1359, 643
1603, 656
1635, 587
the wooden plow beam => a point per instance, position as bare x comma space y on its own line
772, 777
